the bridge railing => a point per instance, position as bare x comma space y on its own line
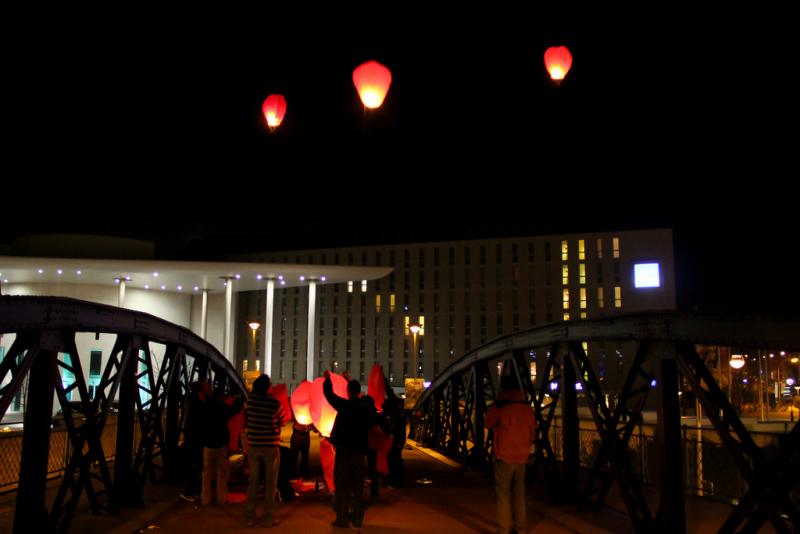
551, 364
142, 392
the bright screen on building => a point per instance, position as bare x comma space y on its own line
646, 275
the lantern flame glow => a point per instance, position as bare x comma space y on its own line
274, 109
301, 403
557, 60
372, 81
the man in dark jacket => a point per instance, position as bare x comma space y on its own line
355, 415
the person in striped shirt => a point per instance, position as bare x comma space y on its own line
265, 417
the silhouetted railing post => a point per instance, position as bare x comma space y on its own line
671, 516
571, 433
31, 512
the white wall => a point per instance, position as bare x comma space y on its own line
177, 308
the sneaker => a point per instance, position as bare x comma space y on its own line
251, 522
274, 523
341, 524
189, 498
227, 502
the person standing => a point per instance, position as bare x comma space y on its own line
512, 420
300, 444
265, 417
355, 415
215, 414
193, 439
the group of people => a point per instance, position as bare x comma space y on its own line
207, 441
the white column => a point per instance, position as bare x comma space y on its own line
312, 313
204, 315
121, 301
227, 342
268, 327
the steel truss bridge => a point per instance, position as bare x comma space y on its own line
452, 411
147, 395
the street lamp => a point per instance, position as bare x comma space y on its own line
414, 328
736, 362
254, 326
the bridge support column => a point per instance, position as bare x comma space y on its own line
571, 435
31, 513
268, 319
671, 516
312, 314
478, 455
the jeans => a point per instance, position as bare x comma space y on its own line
348, 477
509, 484
269, 457
215, 460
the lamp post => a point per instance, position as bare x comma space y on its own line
736, 362
254, 326
414, 328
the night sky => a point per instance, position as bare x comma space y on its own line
148, 125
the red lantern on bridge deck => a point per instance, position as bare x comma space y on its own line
322, 413
376, 387
274, 108
301, 403
558, 61
372, 81
281, 395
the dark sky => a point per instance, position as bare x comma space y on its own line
148, 125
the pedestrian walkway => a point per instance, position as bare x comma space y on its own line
440, 497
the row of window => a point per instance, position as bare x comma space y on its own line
378, 257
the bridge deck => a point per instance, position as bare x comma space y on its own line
454, 501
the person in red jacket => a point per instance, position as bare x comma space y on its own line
514, 425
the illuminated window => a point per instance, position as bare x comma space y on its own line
377, 303
564, 275
406, 322
581, 249
564, 251
363, 286
599, 249
600, 302
583, 315
566, 299
582, 273
350, 286
583, 298
585, 345
422, 325
617, 297
646, 275
391, 303
615, 245
566, 317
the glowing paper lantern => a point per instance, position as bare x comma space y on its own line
274, 108
281, 395
372, 81
301, 403
376, 387
322, 413
558, 61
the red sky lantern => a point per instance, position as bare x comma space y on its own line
281, 395
322, 413
301, 403
558, 61
274, 108
372, 81
376, 387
